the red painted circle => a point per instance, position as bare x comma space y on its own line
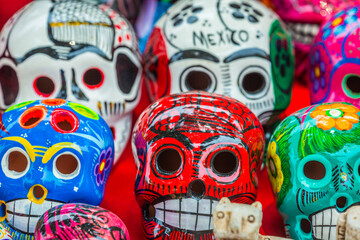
64, 121
53, 102
32, 117
44, 86
93, 78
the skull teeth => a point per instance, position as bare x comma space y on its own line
303, 32
22, 214
187, 214
108, 109
324, 224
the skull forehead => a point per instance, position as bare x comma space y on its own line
176, 113
76, 25
80, 215
216, 27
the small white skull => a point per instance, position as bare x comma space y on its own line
73, 50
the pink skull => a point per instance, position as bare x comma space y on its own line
303, 18
334, 63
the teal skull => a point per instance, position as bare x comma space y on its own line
313, 164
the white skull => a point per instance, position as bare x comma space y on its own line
221, 46
73, 50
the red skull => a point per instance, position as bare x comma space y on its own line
193, 149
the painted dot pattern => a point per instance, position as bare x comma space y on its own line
187, 14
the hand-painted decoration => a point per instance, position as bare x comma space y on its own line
239, 221
52, 152
314, 168
235, 48
4, 233
80, 221
76, 51
348, 224
303, 19
150, 13
334, 60
130, 9
191, 150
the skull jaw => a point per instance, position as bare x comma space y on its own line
22, 216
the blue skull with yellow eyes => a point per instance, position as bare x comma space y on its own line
51, 152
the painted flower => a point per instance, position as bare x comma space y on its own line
338, 115
104, 163
339, 22
317, 73
274, 168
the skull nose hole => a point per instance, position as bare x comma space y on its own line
305, 225
38, 192
197, 188
149, 212
341, 202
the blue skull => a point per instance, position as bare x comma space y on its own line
51, 152
314, 166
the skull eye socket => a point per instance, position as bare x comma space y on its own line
93, 78
127, 73
224, 163
198, 78
254, 82
44, 86
9, 84
351, 84
66, 166
314, 170
15, 163
168, 161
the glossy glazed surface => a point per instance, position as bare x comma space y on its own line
313, 165
52, 152
303, 19
4, 233
237, 49
335, 65
80, 221
191, 150
76, 51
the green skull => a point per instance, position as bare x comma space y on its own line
313, 164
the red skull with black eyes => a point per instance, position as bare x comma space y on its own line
192, 149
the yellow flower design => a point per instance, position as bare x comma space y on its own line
338, 115
274, 168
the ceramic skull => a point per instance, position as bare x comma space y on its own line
314, 168
334, 63
80, 221
76, 51
52, 152
192, 149
303, 19
235, 48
